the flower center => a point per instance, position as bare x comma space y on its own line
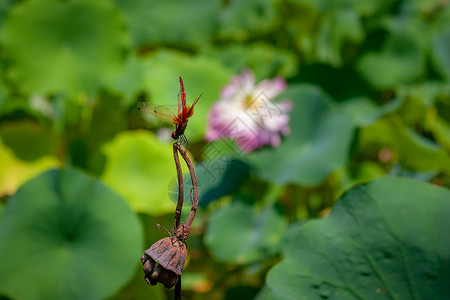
250, 102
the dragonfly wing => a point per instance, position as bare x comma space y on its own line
166, 113
190, 112
183, 98
195, 102
180, 104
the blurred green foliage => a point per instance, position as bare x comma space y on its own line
370, 84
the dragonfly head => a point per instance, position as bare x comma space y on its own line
174, 135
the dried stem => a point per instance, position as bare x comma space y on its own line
178, 289
180, 187
194, 195
194, 198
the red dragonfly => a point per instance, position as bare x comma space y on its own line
170, 114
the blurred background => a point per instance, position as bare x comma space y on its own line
370, 86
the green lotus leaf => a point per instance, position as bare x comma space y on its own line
130, 81
240, 234
440, 49
382, 240
15, 171
401, 60
363, 7
364, 112
319, 141
138, 289
140, 168
161, 82
241, 19
170, 22
219, 178
5, 6
3, 94
220, 173
441, 130
19, 135
323, 30
428, 93
63, 46
412, 150
65, 235
336, 29
263, 59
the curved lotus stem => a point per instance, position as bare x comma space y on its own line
180, 187
194, 195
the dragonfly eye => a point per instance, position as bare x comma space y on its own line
174, 135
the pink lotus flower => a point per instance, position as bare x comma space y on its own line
245, 113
